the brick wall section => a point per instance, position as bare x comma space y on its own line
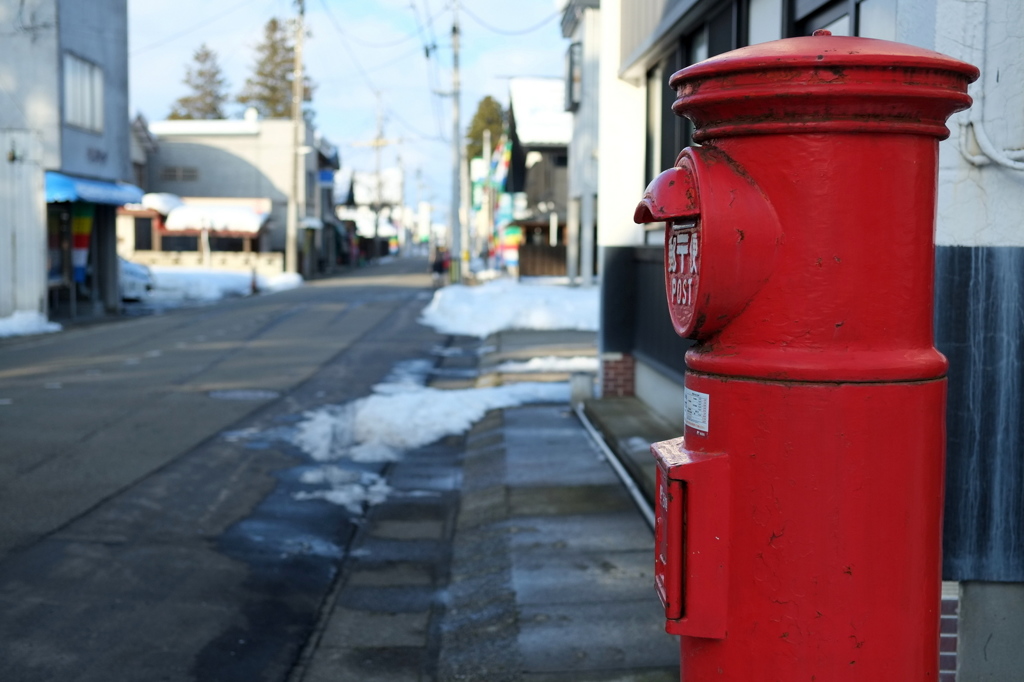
618, 376
947, 639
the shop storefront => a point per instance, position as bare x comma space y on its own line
82, 268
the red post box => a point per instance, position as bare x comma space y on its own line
799, 517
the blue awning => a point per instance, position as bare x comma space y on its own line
60, 187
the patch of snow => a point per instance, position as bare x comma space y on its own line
26, 322
179, 284
382, 426
282, 282
550, 364
197, 284
349, 489
637, 444
506, 304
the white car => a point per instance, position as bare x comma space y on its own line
135, 281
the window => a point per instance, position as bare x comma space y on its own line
764, 21
179, 174
877, 19
83, 94
868, 18
573, 77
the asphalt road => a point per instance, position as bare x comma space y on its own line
139, 538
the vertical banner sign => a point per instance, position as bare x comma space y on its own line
81, 230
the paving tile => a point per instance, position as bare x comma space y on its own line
585, 533
392, 664
598, 636
360, 629
427, 529
554, 500
567, 577
402, 573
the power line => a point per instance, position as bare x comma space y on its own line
341, 32
418, 133
192, 29
504, 32
430, 45
399, 58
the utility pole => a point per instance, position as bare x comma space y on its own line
488, 202
378, 143
379, 199
455, 220
294, 205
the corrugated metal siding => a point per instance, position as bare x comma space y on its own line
639, 20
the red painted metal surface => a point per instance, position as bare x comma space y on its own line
691, 539
816, 388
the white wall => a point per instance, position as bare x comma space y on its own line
621, 140
247, 159
29, 73
22, 225
583, 149
983, 205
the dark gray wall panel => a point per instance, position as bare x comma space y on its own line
979, 327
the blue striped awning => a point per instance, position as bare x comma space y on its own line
61, 187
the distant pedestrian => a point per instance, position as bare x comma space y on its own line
440, 266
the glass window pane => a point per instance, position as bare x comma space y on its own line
699, 46
839, 27
877, 19
765, 21
97, 99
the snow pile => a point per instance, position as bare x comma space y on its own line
506, 304
550, 363
24, 322
398, 418
204, 284
348, 489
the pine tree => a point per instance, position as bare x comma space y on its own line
269, 88
489, 116
208, 88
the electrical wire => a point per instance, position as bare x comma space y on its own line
418, 133
203, 24
348, 48
504, 32
429, 46
402, 57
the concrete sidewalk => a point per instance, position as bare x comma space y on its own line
552, 563
513, 553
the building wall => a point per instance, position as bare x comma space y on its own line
248, 158
622, 104
980, 294
97, 31
22, 225
583, 148
29, 73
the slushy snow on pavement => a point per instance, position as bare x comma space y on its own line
402, 414
382, 426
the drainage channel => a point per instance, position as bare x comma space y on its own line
645, 507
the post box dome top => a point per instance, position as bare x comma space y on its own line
823, 83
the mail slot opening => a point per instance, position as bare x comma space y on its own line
670, 541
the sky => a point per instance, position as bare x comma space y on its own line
356, 50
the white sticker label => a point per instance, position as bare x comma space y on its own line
695, 409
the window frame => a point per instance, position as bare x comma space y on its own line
84, 92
